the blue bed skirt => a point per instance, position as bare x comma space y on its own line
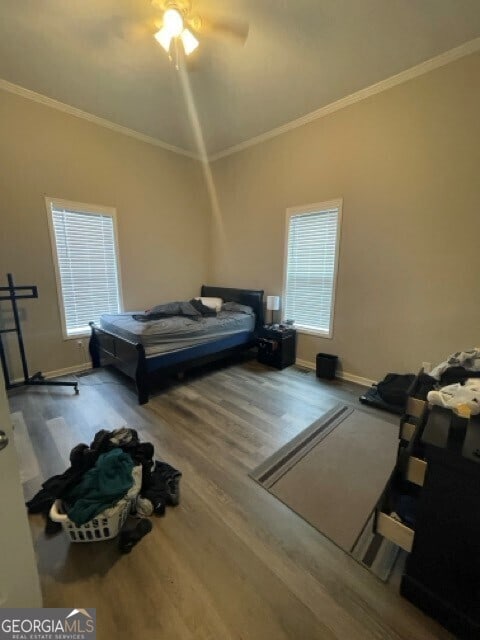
164, 360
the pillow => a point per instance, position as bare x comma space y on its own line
237, 308
213, 303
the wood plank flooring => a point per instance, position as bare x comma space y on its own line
230, 561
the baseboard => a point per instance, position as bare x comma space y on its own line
84, 366
350, 377
305, 364
343, 375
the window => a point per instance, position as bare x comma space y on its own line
313, 235
85, 253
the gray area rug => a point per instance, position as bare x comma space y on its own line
333, 474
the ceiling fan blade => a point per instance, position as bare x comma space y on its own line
223, 26
189, 41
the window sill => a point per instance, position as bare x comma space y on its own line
77, 336
314, 332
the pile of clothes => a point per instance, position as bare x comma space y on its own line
458, 381
115, 465
452, 384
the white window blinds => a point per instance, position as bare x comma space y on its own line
310, 274
87, 270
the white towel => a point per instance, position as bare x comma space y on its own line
454, 395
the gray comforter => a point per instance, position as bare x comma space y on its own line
172, 334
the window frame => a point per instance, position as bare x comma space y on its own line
310, 209
82, 207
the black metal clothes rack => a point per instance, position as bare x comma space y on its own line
14, 293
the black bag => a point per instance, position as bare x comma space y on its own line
372, 399
393, 389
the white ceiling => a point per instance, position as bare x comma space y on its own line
299, 56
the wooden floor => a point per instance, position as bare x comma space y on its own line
230, 561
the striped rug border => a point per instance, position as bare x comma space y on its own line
371, 550
279, 463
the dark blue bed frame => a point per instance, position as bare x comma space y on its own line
129, 357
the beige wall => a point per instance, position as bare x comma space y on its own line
162, 211
406, 163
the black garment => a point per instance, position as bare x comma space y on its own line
41, 502
169, 310
162, 487
193, 309
373, 399
51, 527
130, 537
393, 389
425, 384
457, 374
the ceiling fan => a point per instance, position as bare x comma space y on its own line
183, 28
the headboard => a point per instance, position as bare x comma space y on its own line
251, 297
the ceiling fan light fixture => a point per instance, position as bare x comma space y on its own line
164, 38
173, 22
190, 43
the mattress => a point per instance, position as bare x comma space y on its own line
178, 332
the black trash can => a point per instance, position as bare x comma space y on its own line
326, 365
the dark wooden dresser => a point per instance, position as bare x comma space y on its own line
442, 573
440, 476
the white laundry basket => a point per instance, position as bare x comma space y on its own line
105, 525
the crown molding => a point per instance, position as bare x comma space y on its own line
465, 49
102, 122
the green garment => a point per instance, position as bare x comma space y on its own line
100, 487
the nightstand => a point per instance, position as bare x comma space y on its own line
277, 347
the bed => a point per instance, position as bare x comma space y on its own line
146, 355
